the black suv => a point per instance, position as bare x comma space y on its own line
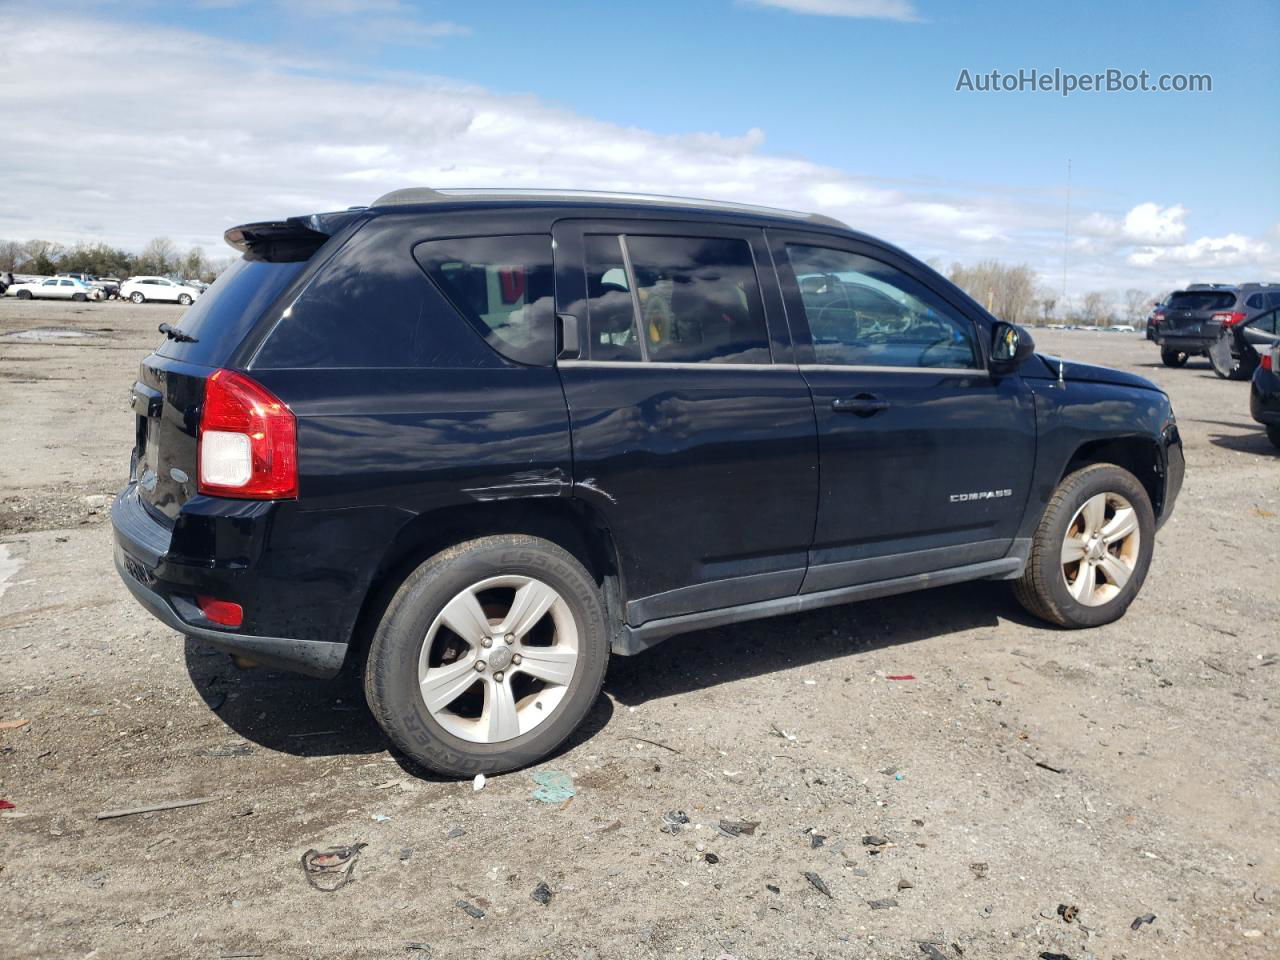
470, 443
1200, 321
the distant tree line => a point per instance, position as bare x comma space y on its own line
160, 257
1010, 292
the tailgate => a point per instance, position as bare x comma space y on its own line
166, 403
1184, 323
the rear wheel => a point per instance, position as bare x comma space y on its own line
137, 297
1173, 358
1273, 434
488, 656
1091, 551
23, 294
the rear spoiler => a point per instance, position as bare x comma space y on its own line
296, 238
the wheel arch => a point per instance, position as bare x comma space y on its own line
569, 523
1140, 455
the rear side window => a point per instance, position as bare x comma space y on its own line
221, 318
699, 300
1202, 300
504, 286
1254, 302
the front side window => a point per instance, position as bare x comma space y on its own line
862, 312
504, 286
699, 300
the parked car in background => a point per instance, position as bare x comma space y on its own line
1186, 330
109, 286
1264, 390
1230, 354
143, 289
474, 443
54, 288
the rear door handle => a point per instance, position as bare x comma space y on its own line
862, 405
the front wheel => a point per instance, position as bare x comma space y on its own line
137, 297
1273, 434
1173, 358
23, 294
184, 299
1091, 551
488, 656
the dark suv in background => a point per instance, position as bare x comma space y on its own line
1199, 321
471, 443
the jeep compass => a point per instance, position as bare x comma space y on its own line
470, 444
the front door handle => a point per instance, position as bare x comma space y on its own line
863, 405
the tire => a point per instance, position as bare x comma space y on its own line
79, 297
23, 294
1173, 358
1044, 588
1224, 364
137, 297
184, 300
1273, 434
458, 736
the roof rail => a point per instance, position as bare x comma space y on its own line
422, 195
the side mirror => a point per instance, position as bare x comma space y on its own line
1010, 346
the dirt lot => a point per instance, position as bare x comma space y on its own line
1128, 770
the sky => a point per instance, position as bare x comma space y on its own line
120, 121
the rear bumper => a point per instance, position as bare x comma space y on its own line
1186, 344
167, 585
1175, 468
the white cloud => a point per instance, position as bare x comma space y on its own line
1147, 223
1232, 250
864, 9
205, 133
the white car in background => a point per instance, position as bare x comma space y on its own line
54, 288
142, 289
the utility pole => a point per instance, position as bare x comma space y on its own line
1066, 237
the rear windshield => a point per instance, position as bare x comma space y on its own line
1202, 300
225, 312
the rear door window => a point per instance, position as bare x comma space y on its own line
699, 300
504, 286
611, 323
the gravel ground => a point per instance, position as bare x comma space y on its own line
1118, 772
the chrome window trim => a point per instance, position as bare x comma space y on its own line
671, 365
872, 368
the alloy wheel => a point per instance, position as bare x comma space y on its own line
498, 659
1101, 549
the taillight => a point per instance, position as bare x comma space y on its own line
1156, 318
248, 445
1268, 361
1228, 319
